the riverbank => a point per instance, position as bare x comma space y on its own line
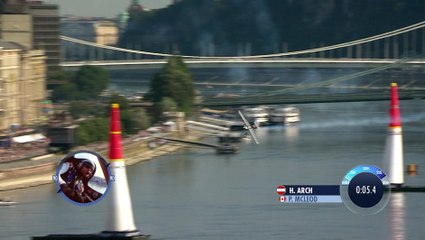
30, 173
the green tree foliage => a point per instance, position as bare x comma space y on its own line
142, 119
121, 100
79, 109
62, 76
93, 130
82, 137
87, 83
66, 92
90, 81
97, 129
175, 82
131, 120
167, 105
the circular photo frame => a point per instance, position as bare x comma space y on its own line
83, 178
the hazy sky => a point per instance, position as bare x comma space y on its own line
102, 8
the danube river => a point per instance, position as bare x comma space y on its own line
196, 194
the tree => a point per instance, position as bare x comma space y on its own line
87, 83
121, 100
91, 81
131, 120
66, 92
82, 138
142, 119
62, 75
167, 105
175, 82
79, 109
93, 130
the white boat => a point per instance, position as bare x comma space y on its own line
231, 124
235, 127
258, 115
205, 127
6, 203
226, 131
287, 115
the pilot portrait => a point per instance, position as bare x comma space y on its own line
83, 177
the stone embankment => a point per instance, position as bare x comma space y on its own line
40, 170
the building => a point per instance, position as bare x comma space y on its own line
9, 85
22, 85
34, 25
45, 19
82, 29
17, 28
106, 32
100, 31
33, 87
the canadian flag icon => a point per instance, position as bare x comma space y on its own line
282, 198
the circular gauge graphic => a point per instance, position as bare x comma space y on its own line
83, 178
365, 189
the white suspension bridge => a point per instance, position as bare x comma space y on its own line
410, 38
398, 49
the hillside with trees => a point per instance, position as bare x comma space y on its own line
246, 27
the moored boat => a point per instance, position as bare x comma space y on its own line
7, 203
257, 115
284, 115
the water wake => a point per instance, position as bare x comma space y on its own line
360, 122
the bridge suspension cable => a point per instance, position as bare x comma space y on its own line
282, 54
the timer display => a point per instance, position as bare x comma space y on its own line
365, 189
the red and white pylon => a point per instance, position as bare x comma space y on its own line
120, 220
393, 157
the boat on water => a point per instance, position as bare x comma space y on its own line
220, 123
205, 128
288, 115
234, 132
4, 203
258, 115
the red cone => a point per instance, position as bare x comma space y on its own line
395, 120
115, 148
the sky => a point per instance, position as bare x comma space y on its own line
102, 8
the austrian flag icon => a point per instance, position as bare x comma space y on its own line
281, 190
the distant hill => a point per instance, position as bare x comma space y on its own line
232, 27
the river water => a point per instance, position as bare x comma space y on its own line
196, 194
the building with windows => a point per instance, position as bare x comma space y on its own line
45, 20
33, 87
9, 84
35, 25
106, 32
22, 85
